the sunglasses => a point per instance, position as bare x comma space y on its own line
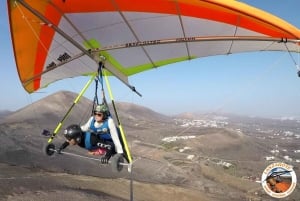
98, 114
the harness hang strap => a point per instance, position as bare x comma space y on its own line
294, 61
100, 73
96, 101
97, 80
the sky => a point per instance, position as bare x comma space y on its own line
263, 84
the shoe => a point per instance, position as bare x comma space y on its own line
97, 152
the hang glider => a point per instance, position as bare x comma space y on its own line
56, 39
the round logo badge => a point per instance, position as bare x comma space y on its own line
279, 180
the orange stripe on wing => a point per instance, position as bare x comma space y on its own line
45, 38
233, 12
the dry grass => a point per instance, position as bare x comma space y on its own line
227, 179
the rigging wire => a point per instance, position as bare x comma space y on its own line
35, 112
30, 26
293, 59
29, 22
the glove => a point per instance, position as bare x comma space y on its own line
104, 160
106, 146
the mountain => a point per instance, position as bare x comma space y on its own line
50, 109
53, 108
135, 112
4, 113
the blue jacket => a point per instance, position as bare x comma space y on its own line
102, 133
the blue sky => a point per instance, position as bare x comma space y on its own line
253, 84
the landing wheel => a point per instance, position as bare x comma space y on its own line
117, 162
49, 149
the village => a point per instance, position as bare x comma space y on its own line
260, 131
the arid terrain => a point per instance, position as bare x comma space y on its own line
187, 157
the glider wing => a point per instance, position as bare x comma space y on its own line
56, 39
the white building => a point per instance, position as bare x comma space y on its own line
269, 158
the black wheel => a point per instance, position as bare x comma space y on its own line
116, 162
49, 149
